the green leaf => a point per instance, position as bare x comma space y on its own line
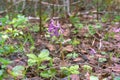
104, 53
5, 36
45, 74
1, 72
102, 59
78, 25
75, 72
32, 56
5, 61
91, 30
69, 55
75, 55
75, 42
45, 58
18, 70
70, 70
87, 68
75, 67
5, 20
42, 67
43, 53
31, 62
94, 78
48, 73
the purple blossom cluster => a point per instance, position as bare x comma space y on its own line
55, 28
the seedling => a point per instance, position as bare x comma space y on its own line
19, 21
72, 55
109, 35
5, 49
37, 60
91, 29
67, 71
102, 60
117, 18
14, 32
98, 26
18, 72
75, 42
35, 28
117, 55
76, 22
3, 38
5, 20
4, 63
103, 53
87, 68
48, 74
104, 19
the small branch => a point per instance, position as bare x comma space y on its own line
100, 44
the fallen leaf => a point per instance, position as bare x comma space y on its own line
66, 32
116, 68
77, 59
117, 37
75, 77
72, 77
68, 48
63, 63
50, 47
87, 75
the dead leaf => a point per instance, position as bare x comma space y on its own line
87, 75
117, 37
68, 48
50, 47
77, 59
75, 77
116, 68
63, 63
66, 32
72, 77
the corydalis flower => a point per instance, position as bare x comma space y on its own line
54, 29
92, 51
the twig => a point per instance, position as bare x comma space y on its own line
100, 44
93, 42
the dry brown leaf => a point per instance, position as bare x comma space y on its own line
50, 47
116, 68
75, 77
87, 75
117, 37
68, 48
66, 32
77, 59
63, 63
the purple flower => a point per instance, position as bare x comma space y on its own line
117, 30
92, 51
54, 28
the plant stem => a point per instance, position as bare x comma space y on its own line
38, 64
40, 16
61, 52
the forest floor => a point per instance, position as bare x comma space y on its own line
98, 48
